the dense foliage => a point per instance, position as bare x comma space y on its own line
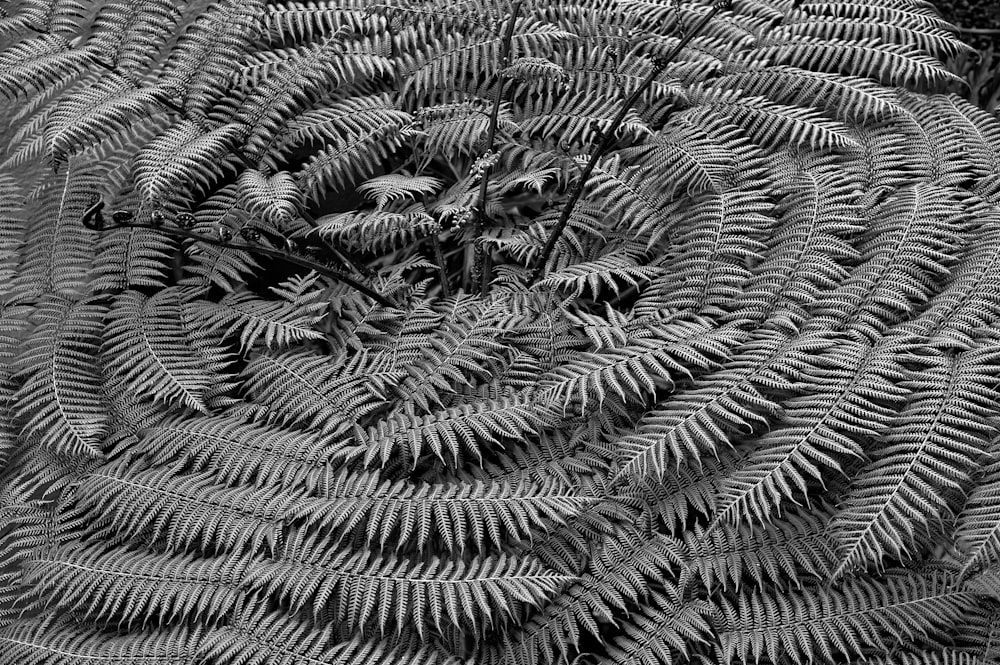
501, 333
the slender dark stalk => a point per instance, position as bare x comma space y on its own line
442, 267
478, 277
609, 138
94, 220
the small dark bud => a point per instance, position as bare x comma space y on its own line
122, 216
225, 235
156, 218
250, 234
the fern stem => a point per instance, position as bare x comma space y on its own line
609, 137
93, 220
480, 276
442, 269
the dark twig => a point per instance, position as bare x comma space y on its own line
93, 219
479, 278
609, 138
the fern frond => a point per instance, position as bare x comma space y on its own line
619, 573
930, 449
362, 588
128, 34
851, 98
39, 63
480, 513
791, 551
819, 431
263, 638
632, 372
136, 587
667, 625
703, 417
59, 400
397, 186
612, 272
47, 642
93, 112
276, 199
236, 452
906, 251
316, 390
378, 230
181, 158
199, 65
469, 427
58, 251
351, 158
977, 530
818, 623
279, 323
150, 333
189, 512
770, 123
890, 64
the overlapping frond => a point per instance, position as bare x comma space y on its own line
479, 513
517, 333
902, 605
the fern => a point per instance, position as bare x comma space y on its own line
520, 333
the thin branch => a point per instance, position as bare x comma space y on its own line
94, 220
609, 138
478, 277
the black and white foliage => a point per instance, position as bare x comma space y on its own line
445, 331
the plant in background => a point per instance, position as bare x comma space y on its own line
444, 332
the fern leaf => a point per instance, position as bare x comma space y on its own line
315, 390
397, 186
60, 642
181, 158
199, 65
701, 418
353, 156
58, 251
853, 99
618, 574
150, 333
59, 401
791, 551
635, 371
279, 323
276, 199
378, 230
472, 427
770, 123
136, 587
977, 532
929, 450
819, 430
237, 453
263, 638
365, 589
93, 112
39, 63
817, 623
481, 513
188, 512
128, 34
891, 64
668, 625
